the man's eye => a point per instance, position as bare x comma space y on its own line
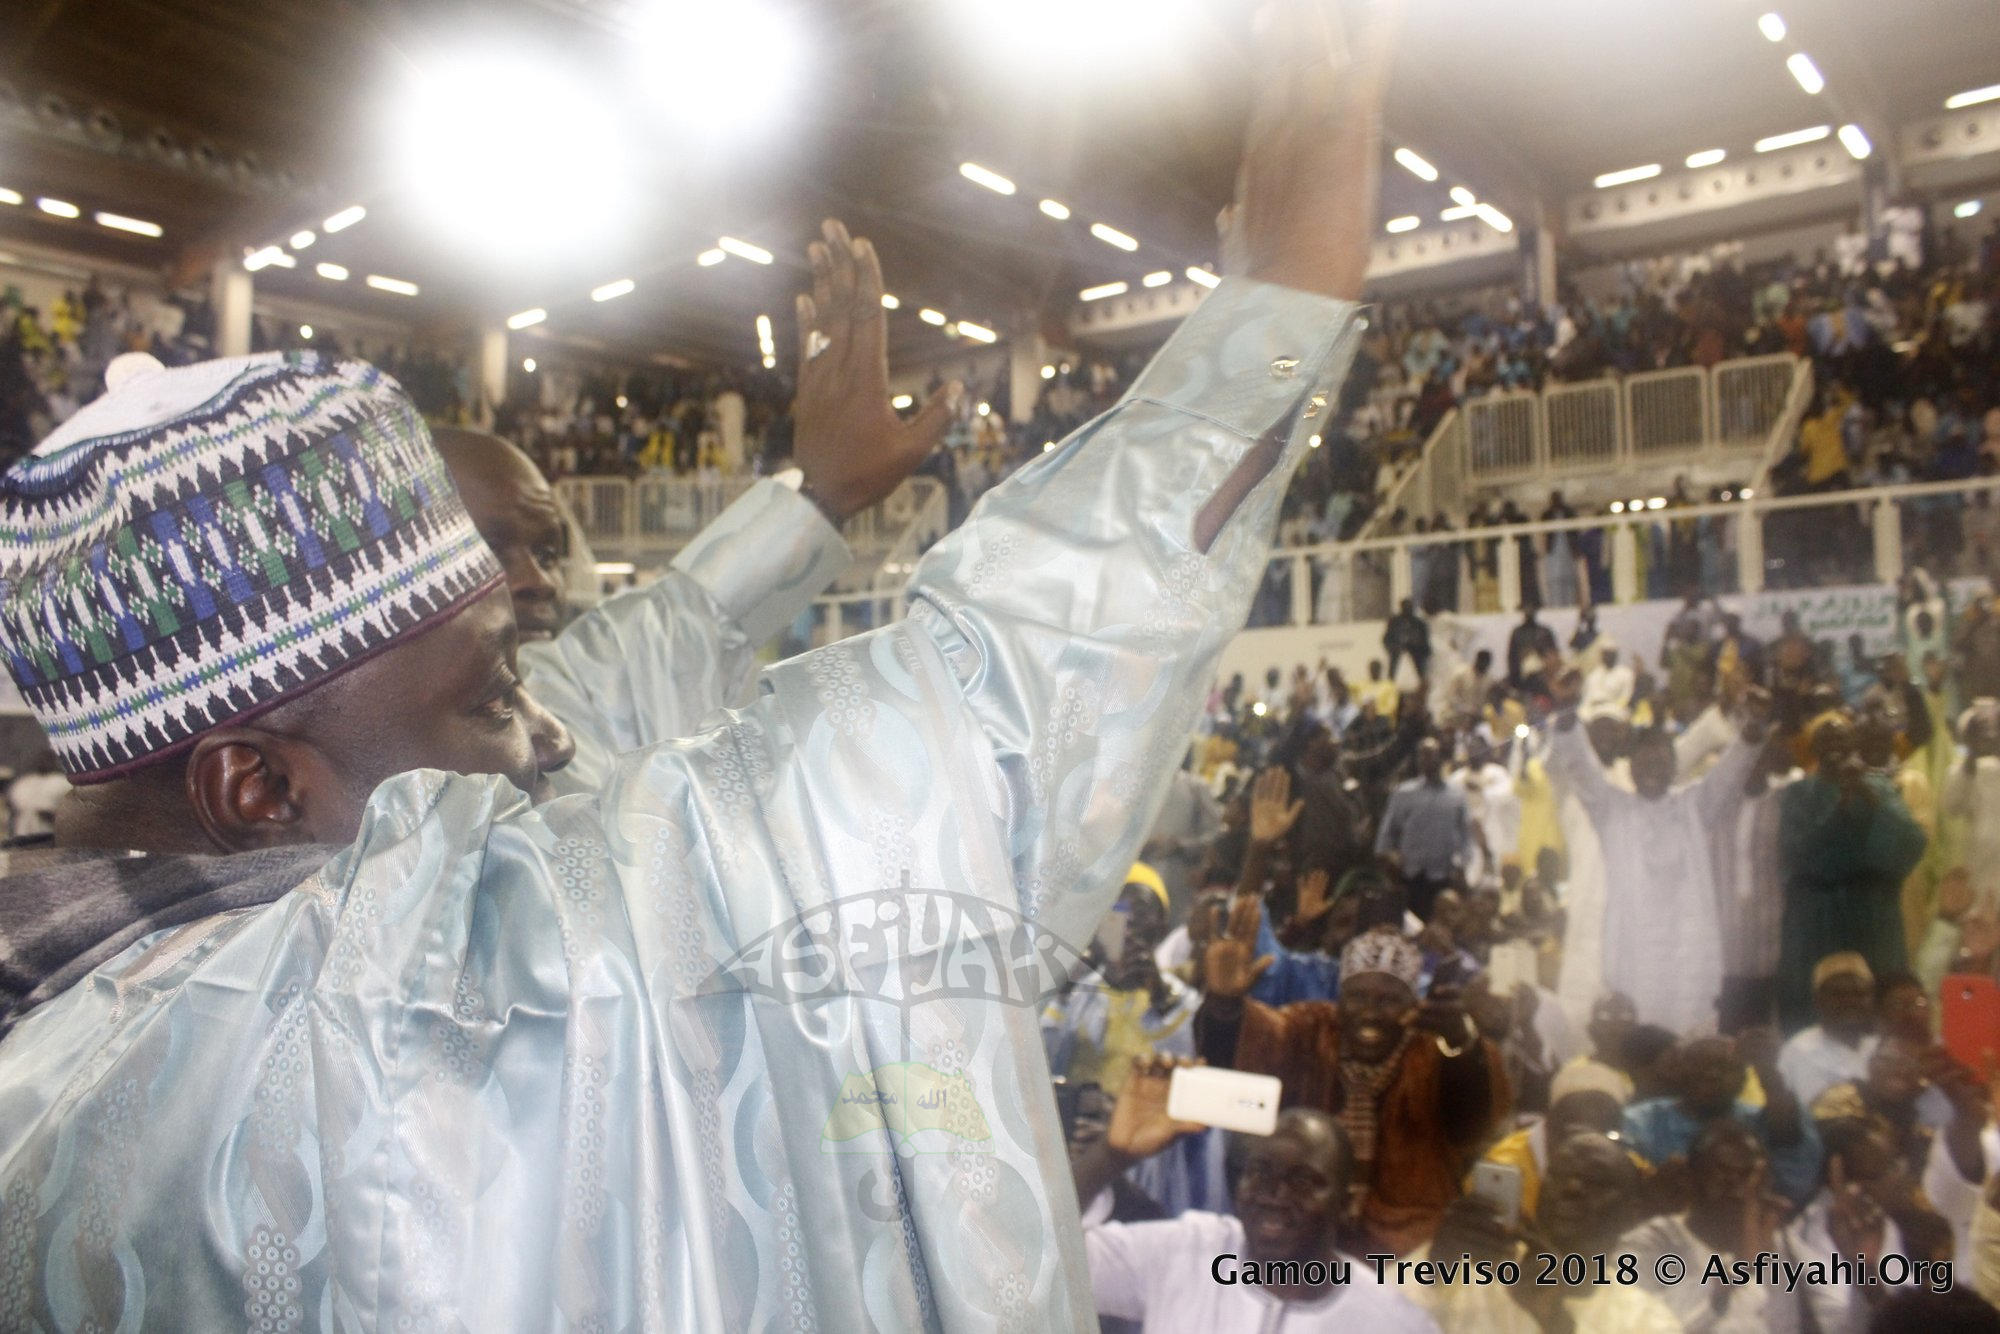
548, 557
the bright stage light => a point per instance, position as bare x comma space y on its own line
1112, 236
1464, 197
10, 196
1972, 97
1202, 278
1103, 290
1094, 38
1792, 140
509, 157
306, 332
978, 333
932, 317
890, 301
901, 402
302, 239
992, 180
1855, 141
264, 259
1707, 157
344, 219
333, 272
399, 286
1627, 176
1060, 212
118, 222
1459, 211
60, 208
1807, 73
528, 365
756, 254
1494, 218
1416, 164
527, 318
1969, 209
1772, 27
1409, 222
708, 259
736, 68
1158, 278
611, 291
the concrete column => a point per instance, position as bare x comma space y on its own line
1026, 355
1749, 550
1510, 574
1541, 258
1888, 525
1624, 564
229, 292
1302, 590
1401, 576
492, 373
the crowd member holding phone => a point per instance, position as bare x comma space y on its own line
1204, 1273
1414, 1086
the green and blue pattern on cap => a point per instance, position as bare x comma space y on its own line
203, 543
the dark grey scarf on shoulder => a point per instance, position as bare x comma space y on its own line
66, 912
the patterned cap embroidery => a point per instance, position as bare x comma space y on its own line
203, 543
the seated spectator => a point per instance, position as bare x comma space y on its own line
1612, 1019
1122, 1008
1895, 1094
1586, 1096
1854, 1216
1414, 1086
1593, 1197
1607, 687
1732, 1215
1709, 1074
1290, 1195
1836, 1049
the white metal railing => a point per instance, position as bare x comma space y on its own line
1580, 428
1666, 412
1821, 539
1784, 428
1502, 436
1667, 417
1748, 395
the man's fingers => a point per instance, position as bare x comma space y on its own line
821, 261
1261, 967
1292, 815
841, 255
933, 419
870, 348
807, 314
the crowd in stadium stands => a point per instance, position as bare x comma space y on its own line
1632, 950
1700, 901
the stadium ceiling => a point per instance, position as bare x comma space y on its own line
234, 123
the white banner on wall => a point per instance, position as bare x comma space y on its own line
1638, 628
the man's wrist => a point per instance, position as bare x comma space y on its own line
832, 513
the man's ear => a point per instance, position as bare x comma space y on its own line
243, 789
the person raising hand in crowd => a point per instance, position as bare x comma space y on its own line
1186, 1275
1413, 1084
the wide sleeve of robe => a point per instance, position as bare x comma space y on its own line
744, 1037
660, 662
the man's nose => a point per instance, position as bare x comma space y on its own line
554, 746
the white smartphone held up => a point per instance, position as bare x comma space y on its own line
1499, 1184
1230, 1099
